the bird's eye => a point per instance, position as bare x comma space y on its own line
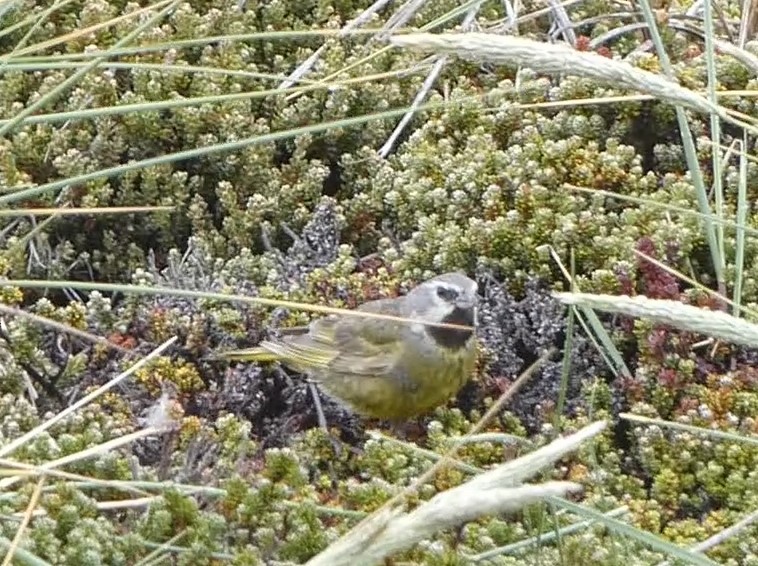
447, 294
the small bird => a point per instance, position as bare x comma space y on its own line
384, 368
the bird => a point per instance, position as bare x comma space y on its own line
381, 368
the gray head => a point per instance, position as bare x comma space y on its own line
450, 298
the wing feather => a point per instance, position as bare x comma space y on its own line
370, 346
346, 344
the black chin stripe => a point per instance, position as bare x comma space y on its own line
453, 338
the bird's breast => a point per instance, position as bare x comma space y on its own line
454, 338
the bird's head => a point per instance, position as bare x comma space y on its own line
450, 298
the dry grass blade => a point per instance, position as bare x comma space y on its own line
23, 556
664, 206
496, 407
431, 78
117, 504
544, 538
718, 538
194, 101
713, 433
60, 88
168, 291
305, 67
598, 334
376, 520
61, 327
560, 59
88, 453
161, 551
429, 81
13, 468
74, 211
495, 491
86, 32
645, 537
743, 56
13, 445
717, 324
562, 24
697, 285
431, 454
26, 518
525, 467
748, 21
36, 20
394, 23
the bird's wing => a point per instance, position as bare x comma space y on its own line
313, 350
369, 346
346, 344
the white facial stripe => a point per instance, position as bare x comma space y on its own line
439, 310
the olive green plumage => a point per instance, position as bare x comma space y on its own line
384, 368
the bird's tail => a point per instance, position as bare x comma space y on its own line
258, 354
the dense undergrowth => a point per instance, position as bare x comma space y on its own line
484, 182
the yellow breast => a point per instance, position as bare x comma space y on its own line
418, 384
